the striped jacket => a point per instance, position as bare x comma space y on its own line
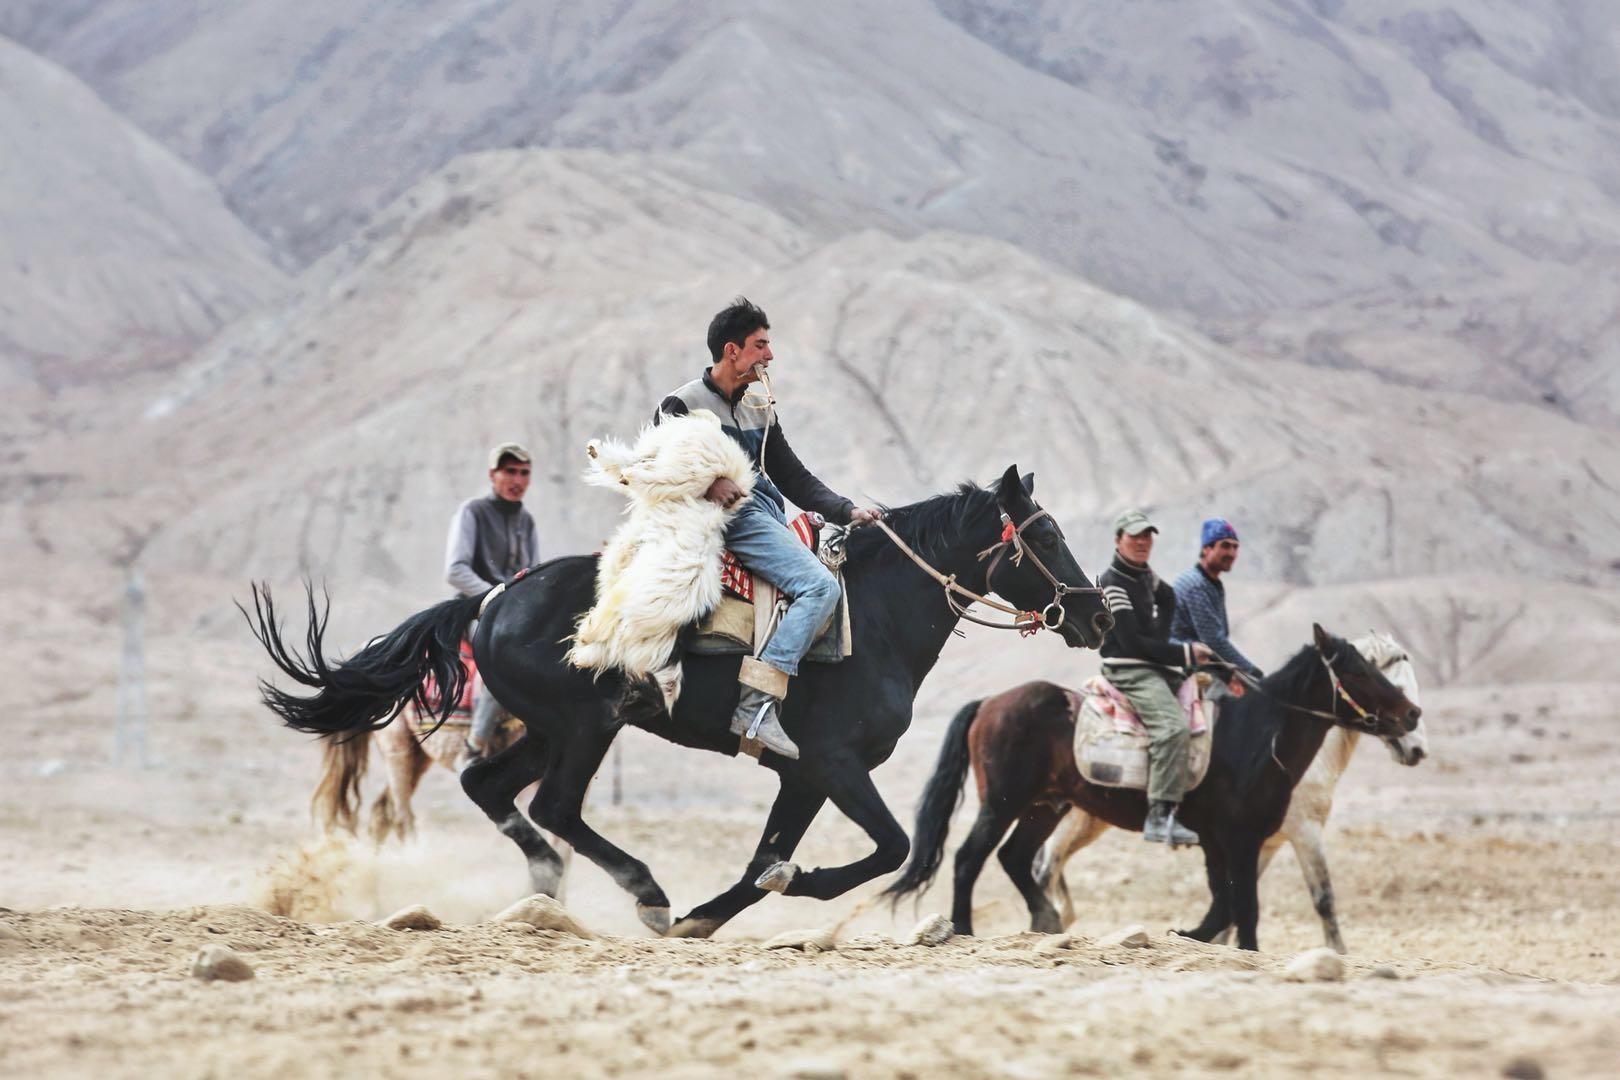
1143, 607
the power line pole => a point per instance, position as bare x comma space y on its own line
130, 734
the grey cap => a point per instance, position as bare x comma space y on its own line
508, 449
1133, 523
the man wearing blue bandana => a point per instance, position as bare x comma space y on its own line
1201, 597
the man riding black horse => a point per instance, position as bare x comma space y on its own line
758, 535
909, 581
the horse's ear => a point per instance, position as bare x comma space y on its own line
1010, 495
1029, 484
1324, 640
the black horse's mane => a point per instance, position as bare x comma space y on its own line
929, 526
1262, 715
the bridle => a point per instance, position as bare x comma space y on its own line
1012, 537
1026, 623
1365, 720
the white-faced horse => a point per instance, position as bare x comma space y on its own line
1307, 811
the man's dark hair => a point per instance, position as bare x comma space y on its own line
734, 325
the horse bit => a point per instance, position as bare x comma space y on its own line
1025, 622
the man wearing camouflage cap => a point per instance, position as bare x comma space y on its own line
1142, 662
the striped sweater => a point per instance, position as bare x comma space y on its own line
1143, 608
1201, 616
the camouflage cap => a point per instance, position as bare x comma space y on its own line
1133, 523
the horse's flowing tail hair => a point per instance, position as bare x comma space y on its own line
366, 691
939, 802
335, 803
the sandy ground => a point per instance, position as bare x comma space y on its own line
1483, 880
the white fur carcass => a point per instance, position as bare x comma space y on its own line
661, 570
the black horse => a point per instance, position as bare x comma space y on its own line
846, 718
1021, 746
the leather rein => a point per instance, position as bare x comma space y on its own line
1365, 720
1025, 622
1012, 537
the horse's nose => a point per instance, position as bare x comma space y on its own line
1417, 754
1102, 622
1410, 722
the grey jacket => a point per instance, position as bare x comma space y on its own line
490, 540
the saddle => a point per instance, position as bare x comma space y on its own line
1111, 745
749, 607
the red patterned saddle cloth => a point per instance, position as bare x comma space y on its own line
463, 709
735, 578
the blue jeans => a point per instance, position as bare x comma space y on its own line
761, 540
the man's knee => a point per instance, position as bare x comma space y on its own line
1174, 737
819, 587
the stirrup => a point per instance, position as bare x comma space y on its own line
752, 734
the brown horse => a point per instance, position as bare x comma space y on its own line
1020, 744
408, 752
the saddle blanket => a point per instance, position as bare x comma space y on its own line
747, 609
461, 715
1111, 745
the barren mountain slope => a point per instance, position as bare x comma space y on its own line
117, 256
1410, 114
1226, 159
552, 296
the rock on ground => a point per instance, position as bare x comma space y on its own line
1054, 943
864, 942
218, 962
934, 930
415, 917
825, 940
1315, 965
1129, 937
544, 913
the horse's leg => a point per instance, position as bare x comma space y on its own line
1312, 856
795, 807
1077, 830
850, 787
1017, 855
405, 784
988, 829
1268, 851
582, 743
399, 752
493, 784
1219, 915
1243, 875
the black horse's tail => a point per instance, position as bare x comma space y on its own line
939, 801
370, 688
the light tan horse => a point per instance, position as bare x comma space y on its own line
408, 752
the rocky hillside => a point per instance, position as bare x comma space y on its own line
1343, 273
117, 254
551, 296
1275, 169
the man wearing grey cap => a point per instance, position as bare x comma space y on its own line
492, 537
1142, 662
